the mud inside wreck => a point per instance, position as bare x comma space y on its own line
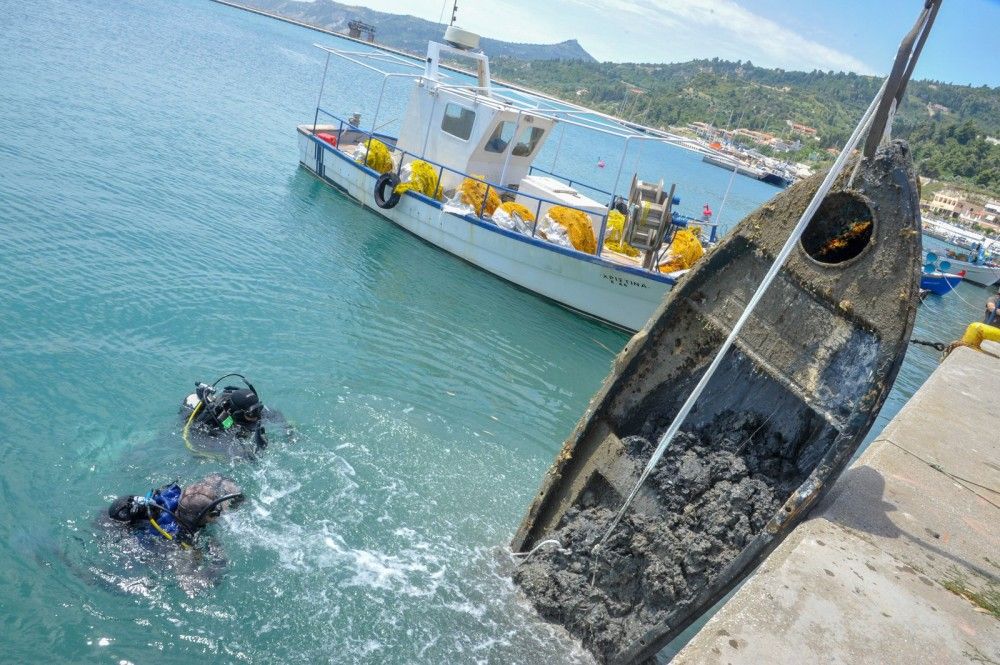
716, 487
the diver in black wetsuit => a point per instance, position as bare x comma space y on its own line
232, 420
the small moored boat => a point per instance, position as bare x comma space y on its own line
977, 270
940, 283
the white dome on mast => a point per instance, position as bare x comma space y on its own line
461, 39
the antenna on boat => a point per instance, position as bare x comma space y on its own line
877, 120
454, 13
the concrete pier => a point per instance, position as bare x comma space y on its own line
901, 561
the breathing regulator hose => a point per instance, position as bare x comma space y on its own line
239, 496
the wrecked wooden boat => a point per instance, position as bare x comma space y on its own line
788, 407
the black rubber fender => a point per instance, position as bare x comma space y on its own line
389, 180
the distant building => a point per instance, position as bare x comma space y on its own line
974, 214
782, 145
759, 137
937, 109
361, 30
952, 204
945, 202
805, 130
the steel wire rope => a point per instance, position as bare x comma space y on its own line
963, 482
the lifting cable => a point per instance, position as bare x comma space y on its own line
878, 117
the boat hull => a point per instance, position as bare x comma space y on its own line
730, 164
975, 273
790, 404
939, 283
619, 295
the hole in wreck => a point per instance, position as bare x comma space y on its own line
840, 230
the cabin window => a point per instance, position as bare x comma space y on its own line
526, 142
458, 121
502, 136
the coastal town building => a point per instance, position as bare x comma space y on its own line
949, 204
946, 202
361, 30
758, 137
805, 130
936, 109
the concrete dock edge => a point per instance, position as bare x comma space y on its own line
901, 561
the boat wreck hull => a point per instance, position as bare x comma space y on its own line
788, 407
619, 295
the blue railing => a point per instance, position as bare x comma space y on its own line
677, 220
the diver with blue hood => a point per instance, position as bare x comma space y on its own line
174, 513
227, 423
162, 518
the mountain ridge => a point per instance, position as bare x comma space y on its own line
409, 33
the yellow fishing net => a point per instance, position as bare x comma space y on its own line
614, 235
378, 157
684, 251
513, 208
577, 225
423, 179
474, 190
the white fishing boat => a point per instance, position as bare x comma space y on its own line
466, 155
731, 163
981, 273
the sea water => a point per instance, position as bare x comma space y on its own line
156, 231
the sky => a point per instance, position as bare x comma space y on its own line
843, 35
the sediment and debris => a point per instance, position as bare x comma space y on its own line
715, 488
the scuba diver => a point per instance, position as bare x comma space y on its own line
231, 420
174, 513
169, 514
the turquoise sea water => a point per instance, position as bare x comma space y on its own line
156, 230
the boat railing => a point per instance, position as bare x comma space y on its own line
561, 112
408, 157
343, 125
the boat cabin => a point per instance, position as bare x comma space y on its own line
468, 128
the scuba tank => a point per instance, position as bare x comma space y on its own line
236, 409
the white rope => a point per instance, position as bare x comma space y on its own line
779, 260
527, 555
